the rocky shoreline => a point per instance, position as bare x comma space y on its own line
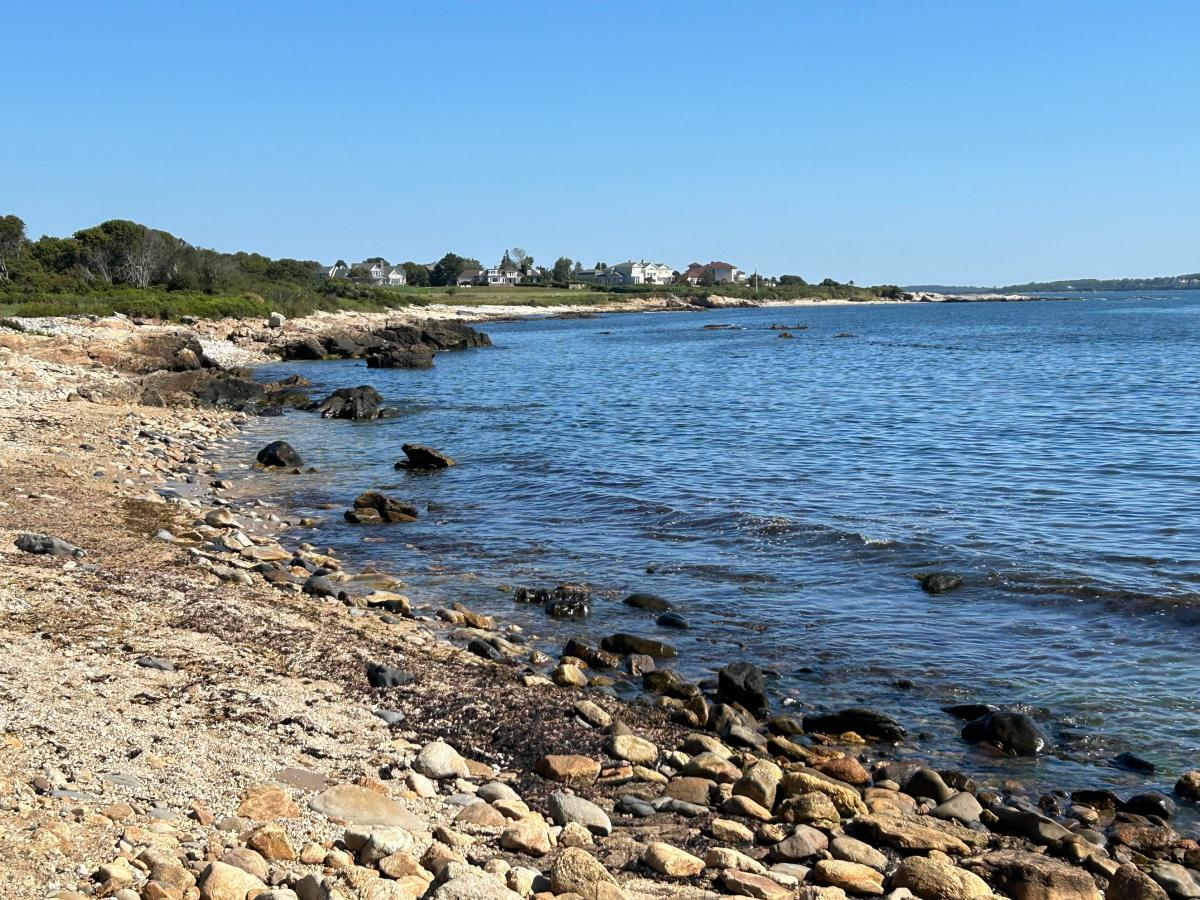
200, 703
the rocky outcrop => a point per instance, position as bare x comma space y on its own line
372, 507
398, 346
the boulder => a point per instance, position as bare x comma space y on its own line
742, 683
424, 459
46, 545
438, 760
1033, 876
631, 643
668, 860
364, 807
1131, 883
932, 879
221, 881
415, 357
358, 404
1013, 733
648, 602
851, 877
1188, 786
388, 508
462, 881
566, 808
577, 872
570, 769
280, 454
864, 722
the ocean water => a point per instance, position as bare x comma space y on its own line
785, 494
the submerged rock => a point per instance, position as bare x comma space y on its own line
649, 602
632, 643
940, 582
864, 722
1013, 732
280, 454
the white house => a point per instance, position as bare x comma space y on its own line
504, 274
644, 272
379, 272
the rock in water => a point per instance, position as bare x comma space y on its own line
424, 459
1014, 733
44, 544
743, 684
388, 508
940, 582
864, 722
648, 602
358, 404
631, 643
280, 454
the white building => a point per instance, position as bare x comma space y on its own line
379, 272
504, 274
644, 272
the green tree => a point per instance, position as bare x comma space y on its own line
12, 243
447, 269
416, 274
792, 280
708, 277
561, 273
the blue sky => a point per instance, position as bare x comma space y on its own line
983, 142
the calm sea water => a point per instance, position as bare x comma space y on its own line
784, 493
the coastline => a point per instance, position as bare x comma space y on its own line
106, 754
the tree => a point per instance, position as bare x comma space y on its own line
12, 243
447, 270
561, 273
792, 279
519, 258
708, 277
829, 282
416, 274
360, 273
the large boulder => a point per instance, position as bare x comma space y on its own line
1033, 876
280, 454
358, 404
1013, 733
396, 357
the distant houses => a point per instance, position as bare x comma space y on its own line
378, 271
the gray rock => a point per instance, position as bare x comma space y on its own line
856, 851
961, 807
804, 843
381, 676
634, 806
438, 760
155, 662
462, 881
46, 545
566, 808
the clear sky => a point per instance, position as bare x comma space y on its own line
954, 142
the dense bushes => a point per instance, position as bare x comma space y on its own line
121, 266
